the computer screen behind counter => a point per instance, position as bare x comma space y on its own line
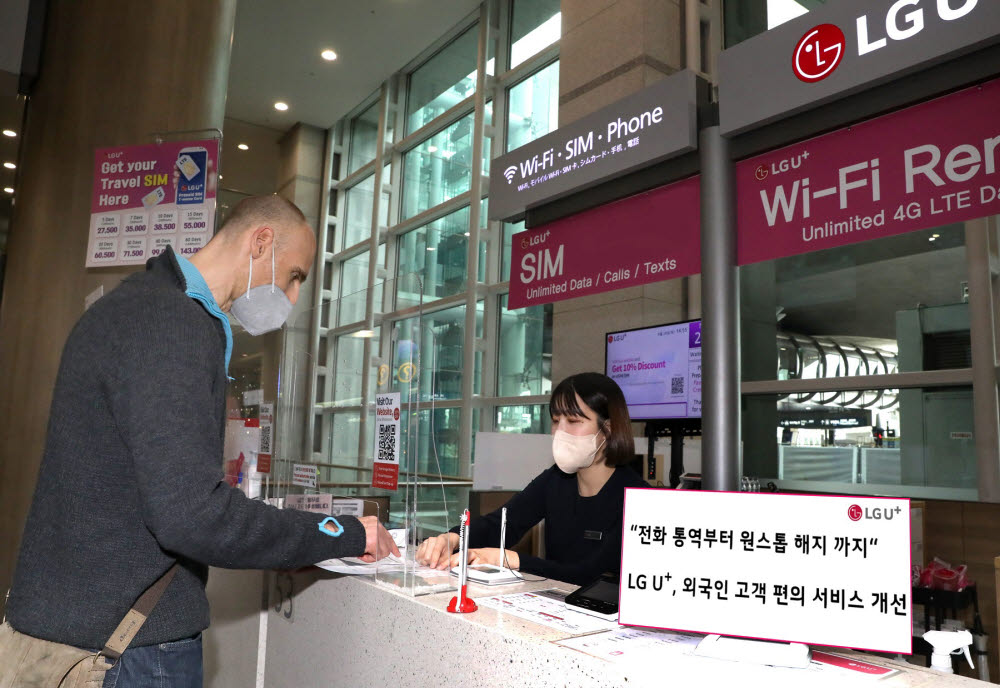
658, 369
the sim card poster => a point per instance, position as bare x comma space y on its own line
151, 196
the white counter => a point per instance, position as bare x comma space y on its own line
351, 632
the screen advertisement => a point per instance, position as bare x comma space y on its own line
658, 369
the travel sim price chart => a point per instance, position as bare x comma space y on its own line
147, 197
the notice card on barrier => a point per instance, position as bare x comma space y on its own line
386, 471
814, 569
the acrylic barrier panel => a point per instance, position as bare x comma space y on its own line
359, 422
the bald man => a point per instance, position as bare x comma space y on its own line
131, 480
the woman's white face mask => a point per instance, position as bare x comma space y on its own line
573, 452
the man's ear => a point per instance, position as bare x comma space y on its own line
262, 237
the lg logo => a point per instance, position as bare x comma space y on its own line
760, 172
818, 53
856, 513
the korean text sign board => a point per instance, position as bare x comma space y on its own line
814, 569
928, 165
646, 238
843, 47
646, 127
386, 472
146, 197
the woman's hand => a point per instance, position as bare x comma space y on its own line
490, 555
436, 551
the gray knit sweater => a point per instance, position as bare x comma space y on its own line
131, 479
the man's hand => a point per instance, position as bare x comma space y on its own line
436, 551
378, 542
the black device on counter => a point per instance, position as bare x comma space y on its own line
597, 598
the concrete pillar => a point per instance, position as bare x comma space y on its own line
112, 73
610, 49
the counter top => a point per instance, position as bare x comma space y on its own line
353, 631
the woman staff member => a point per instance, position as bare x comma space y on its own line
581, 497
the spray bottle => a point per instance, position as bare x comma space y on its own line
946, 643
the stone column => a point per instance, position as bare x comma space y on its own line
111, 74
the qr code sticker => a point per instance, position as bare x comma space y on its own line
677, 385
265, 439
387, 443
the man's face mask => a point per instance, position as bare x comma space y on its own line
264, 308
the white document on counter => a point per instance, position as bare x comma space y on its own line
546, 607
636, 646
390, 564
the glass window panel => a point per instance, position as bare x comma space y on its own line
358, 212
440, 167
438, 252
533, 108
535, 24
353, 287
347, 376
358, 209
443, 81
900, 438
364, 135
525, 350
427, 356
509, 230
744, 19
343, 440
524, 419
888, 305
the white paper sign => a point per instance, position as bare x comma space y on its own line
266, 416
318, 504
304, 475
823, 570
253, 397
348, 507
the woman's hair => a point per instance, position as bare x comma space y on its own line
605, 398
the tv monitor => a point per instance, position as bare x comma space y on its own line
658, 369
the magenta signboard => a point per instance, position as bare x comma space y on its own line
150, 196
925, 166
646, 238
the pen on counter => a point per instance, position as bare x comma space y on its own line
503, 538
461, 602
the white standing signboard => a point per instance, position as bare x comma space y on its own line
386, 471
304, 475
814, 569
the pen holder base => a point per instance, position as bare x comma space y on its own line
462, 604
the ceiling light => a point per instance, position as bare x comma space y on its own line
432, 149
431, 248
10, 133
466, 234
932, 239
364, 334
242, 146
280, 106
10, 165
8, 189
936, 236
447, 154
328, 55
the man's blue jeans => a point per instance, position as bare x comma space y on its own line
167, 665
